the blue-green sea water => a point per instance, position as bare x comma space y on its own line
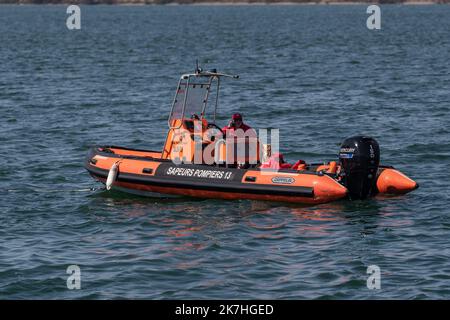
316, 72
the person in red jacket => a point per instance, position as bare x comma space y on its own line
235, 124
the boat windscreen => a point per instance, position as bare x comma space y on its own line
197, 95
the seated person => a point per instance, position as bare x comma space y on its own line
276, 161
236, 123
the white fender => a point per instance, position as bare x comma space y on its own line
112, 175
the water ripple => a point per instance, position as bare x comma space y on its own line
61, 92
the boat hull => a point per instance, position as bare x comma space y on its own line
149, 175
144, 173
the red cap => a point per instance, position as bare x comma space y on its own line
237, 116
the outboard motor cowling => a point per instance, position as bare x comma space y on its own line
359, 157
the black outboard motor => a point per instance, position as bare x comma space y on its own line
359, 157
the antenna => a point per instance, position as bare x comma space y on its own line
197, 68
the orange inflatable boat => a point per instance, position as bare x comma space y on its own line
255, 174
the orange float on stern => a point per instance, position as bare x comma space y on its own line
392, 181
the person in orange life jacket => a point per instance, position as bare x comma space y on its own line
235, 124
